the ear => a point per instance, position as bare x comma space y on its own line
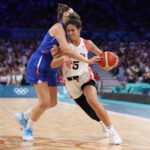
65, 14
80, 29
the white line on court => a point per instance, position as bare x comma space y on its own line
113, 112
143, 147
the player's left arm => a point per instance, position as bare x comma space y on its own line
91, 46
57, 61
59, 58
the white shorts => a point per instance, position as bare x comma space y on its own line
73, 86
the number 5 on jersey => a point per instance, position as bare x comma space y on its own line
76, 65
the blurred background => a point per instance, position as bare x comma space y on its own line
122, 27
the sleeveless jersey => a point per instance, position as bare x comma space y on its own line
79, 67
38, 68
48, 43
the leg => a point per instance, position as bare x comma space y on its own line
47, 98
91, 97
82, 102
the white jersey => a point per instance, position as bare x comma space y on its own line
79, 67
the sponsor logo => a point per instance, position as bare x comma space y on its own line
21, 91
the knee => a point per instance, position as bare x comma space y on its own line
93, 103
48, 104
45, 105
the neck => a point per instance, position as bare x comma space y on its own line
76, 42
64, 20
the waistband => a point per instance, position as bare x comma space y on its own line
72, 78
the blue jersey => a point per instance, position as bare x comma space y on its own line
38, 68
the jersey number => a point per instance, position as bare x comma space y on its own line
76, 65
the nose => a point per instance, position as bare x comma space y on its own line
70, 33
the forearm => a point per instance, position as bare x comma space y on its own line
98, 52
74, 54
60, 36
57, 62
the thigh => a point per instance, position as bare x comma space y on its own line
86, 77
90, 93
73, 88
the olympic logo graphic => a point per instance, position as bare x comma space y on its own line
21, 91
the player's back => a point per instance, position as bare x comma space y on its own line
47, 44
39, 62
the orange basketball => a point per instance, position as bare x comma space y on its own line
109, 60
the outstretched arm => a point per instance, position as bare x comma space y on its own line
97, 51
58, 32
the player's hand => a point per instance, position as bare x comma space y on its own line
54, 50
68, 61
94, 59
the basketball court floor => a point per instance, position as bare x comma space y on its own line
67, 127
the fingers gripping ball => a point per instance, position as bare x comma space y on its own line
109, 60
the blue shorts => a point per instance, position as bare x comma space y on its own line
38, 70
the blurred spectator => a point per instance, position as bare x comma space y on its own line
134, 60
3, 78
120, 75
13, 78
23, 81
146, 78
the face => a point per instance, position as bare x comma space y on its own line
73, 32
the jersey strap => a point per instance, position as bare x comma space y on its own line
85, 45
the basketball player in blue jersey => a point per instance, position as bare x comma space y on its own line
79, 80
42, 76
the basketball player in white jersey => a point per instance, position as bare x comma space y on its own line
79, 79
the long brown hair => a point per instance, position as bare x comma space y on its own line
61, 9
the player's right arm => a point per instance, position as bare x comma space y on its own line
91, 46
58, 32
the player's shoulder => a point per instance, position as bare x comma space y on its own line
57, 25
87, 42
56, 28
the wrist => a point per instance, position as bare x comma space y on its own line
88, 61
63, 58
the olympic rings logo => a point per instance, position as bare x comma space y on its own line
21, 91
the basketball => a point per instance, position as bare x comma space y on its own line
108, 61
